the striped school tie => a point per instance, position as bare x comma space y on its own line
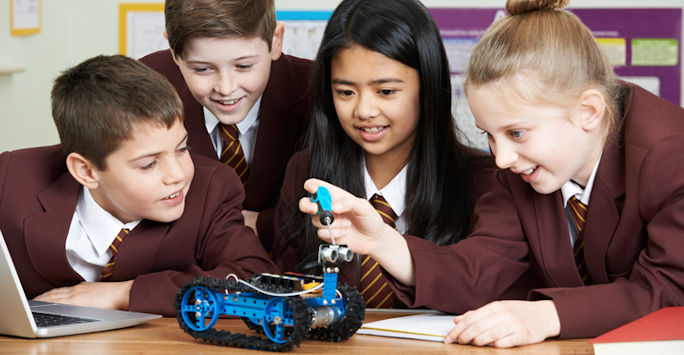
232, 154
578, 210
114, 247
374, 288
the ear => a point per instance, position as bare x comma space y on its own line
83, 170
277, 43
173, 54
591, 107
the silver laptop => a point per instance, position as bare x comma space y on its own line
33, 319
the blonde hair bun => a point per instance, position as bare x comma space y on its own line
519, 7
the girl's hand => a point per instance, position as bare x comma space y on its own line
359, 226
505, 324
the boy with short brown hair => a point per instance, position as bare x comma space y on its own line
132, 215
246, 103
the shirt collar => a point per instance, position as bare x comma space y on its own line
394, 192
571, 188
210, 121
99, 225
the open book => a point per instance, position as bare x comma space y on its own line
433, 327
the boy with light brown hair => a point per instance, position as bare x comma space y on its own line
246, 103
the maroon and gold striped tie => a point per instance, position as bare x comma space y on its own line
232, 153
114, 247
374, 288
579, 213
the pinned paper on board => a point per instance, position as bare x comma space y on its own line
24, 17
141, 29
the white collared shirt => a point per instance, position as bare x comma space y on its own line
570, 189
91, 233
394, 193
247, 128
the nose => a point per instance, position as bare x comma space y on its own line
504, 154
365, 107
225, 84
174, 172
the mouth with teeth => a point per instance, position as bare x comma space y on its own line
529, 175
372, 134
172, 196
174, 199
372, 130
228, 102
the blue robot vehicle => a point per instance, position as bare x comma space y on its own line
283, 309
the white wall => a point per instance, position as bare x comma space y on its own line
74, 30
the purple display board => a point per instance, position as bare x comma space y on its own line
644, 45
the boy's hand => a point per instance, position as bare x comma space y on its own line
111, 295
505, 324
251, 220
359, 226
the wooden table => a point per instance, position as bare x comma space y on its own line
163, 336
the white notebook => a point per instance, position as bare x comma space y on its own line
432, 327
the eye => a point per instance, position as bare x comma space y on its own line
200, 70
345, 93
183, 149
517, 133
149, 165
386, 92
244, 67
489, 136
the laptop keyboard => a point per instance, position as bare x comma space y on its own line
47, 320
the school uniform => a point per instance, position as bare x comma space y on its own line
632, 235
282, 121
287, 250
38, 198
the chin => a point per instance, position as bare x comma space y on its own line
545, 189
167, 217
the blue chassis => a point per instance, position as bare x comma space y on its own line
272, 313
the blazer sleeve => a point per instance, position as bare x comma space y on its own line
657, 277
476, 270
222, 245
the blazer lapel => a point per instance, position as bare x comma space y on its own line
46, 232
553, 239
198, 137
135, 251
602, 214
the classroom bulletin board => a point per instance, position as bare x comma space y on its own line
643, 44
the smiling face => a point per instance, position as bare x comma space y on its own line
147, 176
227, 75
547, 145
377, 100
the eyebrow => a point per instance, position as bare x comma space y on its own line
199, 61
154, 154
372, 82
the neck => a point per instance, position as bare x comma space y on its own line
382, 171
